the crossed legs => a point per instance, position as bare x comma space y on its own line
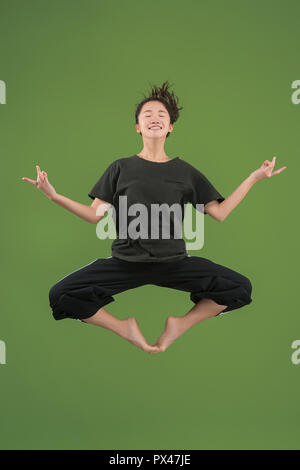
127, 328
174, 326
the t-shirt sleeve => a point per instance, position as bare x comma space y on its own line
203, 190
105, 187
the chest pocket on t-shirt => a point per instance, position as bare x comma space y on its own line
176, 187
173, 180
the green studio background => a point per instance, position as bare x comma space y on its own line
73, 72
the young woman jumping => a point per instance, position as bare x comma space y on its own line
151, 178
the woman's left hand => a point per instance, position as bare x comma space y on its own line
266, 170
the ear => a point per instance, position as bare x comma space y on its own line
171, 128
138, 128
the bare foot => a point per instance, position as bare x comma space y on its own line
133, 334
173, 329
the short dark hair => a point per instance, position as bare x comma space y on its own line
164, 96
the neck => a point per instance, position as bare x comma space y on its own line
153, 150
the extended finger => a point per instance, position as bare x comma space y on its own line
272, 163
40, 174
278, 171
29, 180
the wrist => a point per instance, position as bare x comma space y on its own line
252, 179
53, 197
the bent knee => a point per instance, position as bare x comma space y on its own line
246, 283
54, 294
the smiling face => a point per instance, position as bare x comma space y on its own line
154, 120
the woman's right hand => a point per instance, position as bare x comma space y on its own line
42, 183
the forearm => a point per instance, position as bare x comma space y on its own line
226, 206
84, 212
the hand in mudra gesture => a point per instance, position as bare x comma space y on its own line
42, 183
266, 170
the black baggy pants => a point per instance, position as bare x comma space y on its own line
80, 294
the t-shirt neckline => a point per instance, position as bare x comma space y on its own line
151, 161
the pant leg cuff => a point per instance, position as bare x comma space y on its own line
81, 303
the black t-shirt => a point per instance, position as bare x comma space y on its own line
147, 182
